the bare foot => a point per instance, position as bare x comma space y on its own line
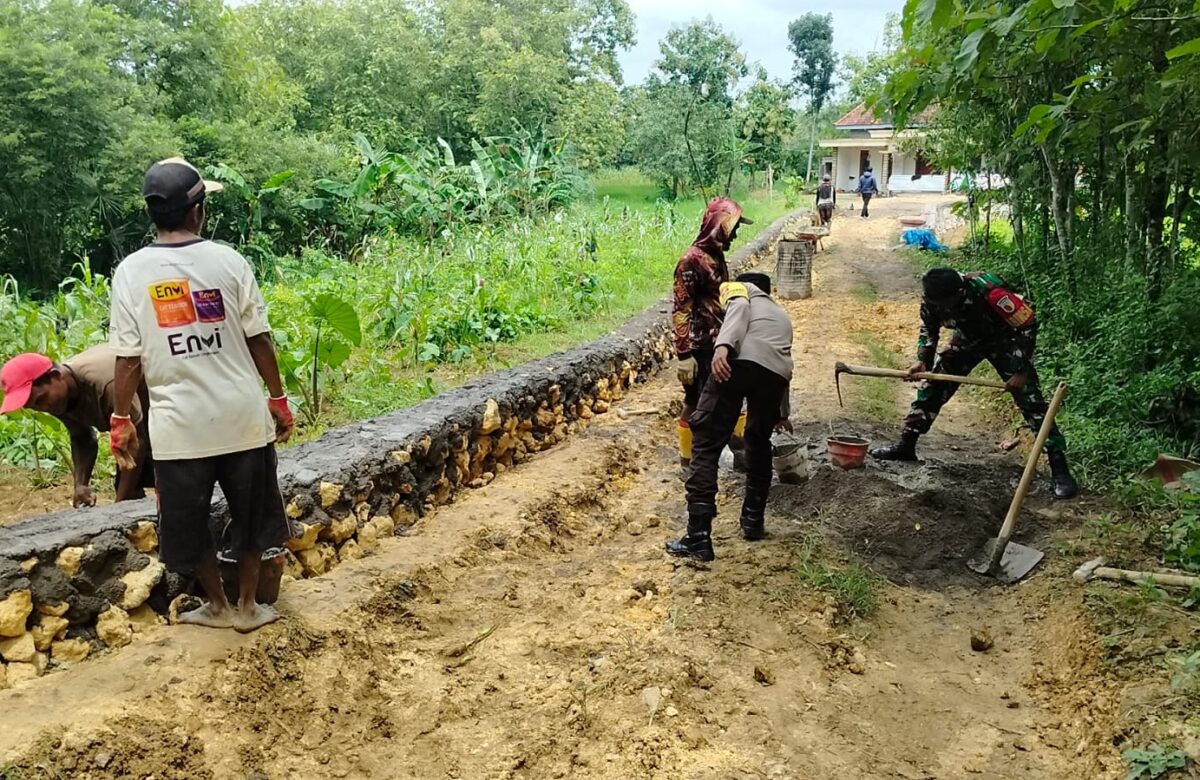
208, 615
254, 618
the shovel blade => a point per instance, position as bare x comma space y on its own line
1018, 560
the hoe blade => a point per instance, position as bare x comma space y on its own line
1018, 561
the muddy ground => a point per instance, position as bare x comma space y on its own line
534, 628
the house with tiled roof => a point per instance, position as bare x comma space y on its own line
868, 138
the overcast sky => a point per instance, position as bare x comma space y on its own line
760, 26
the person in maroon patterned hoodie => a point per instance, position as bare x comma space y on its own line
696, 312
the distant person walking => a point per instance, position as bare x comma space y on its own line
826, 200
867, 187
187, 313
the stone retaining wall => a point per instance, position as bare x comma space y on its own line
79, 581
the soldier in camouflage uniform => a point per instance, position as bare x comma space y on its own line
989, 322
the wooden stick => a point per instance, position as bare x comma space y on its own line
1014, 509
895, 373
1139, 577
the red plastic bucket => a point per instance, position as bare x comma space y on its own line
848, 452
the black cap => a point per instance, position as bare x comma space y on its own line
175, 184
761, 281
942, 284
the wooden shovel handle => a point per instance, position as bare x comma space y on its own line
895, 373
1014, 508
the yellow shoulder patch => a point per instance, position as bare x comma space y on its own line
731, 290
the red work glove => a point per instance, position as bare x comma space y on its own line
123, 439
284, 419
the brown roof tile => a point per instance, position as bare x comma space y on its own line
861, 115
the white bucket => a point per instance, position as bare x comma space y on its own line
790, 459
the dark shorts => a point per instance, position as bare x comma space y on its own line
691, 393
185, 489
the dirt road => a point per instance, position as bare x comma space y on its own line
534, 628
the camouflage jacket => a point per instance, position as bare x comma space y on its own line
990, 315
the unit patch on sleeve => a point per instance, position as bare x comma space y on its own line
210, 306
172, 303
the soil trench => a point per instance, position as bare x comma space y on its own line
535, 629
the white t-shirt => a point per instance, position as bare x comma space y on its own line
186, 310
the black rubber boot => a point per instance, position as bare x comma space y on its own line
753, 520
905, 449
1064, 484
697, 542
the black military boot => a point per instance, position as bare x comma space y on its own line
1064, 484
905, 449
697, 542
753, 520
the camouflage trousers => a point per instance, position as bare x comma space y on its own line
961, 359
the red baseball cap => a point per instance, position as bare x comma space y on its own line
18, 376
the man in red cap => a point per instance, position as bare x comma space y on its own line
80, 394
187, 315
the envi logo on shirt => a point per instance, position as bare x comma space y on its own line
172, 303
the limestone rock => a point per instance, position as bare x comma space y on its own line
545, 419
47, 630
29, 564
56, 609
362, 512
144, 617
143, 536
22, 673
349, 551
341, 529
368, 537
293, 510
307, 538
69, 559
113, 627
385, 526
403, 457
491, 417
600, 407
138, 584
3, 677
318, 560
70, 651
14, 611
21, 649
331, 493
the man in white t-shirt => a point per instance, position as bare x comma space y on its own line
187, 315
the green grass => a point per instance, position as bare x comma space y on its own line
854, 588
865, 292
875, 399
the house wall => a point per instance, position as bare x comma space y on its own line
847, 166
903, 168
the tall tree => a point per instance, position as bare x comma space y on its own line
811, 40
698, 70
765, 118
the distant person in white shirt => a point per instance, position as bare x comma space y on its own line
187, 315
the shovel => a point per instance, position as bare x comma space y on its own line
1008, 561
895, 373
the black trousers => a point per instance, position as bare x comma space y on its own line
866, 199
713, 422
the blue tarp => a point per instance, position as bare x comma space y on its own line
923, 238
